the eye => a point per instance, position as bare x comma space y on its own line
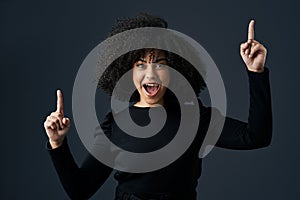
140, 65
159, 65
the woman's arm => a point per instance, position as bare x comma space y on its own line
258, 131
79, 183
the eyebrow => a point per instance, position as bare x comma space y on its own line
161, 59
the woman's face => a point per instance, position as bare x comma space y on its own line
150, 77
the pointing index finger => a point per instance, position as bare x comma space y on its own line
251, 31
60, 106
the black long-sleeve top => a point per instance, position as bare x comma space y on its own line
179, 179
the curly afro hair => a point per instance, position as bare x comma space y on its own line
124, 63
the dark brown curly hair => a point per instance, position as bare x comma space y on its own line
124, 63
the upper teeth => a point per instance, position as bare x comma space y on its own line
151, 84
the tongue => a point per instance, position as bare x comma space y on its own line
151, 89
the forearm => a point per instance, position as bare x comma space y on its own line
79, 183
260, 110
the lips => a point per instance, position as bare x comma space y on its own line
151, 89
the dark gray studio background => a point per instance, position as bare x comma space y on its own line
43, 43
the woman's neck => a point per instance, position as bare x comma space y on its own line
145, 104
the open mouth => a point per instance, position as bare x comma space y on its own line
151, 89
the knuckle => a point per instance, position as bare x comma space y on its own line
51, 118
56, 114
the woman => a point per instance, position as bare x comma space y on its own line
151, 77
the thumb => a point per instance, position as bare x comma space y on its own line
66, 121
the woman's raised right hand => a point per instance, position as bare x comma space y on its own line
56, 125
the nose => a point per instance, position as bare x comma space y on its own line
150, 72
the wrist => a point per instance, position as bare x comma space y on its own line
55, 144
256, 70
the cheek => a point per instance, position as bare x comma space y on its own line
165, 78
136, 76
